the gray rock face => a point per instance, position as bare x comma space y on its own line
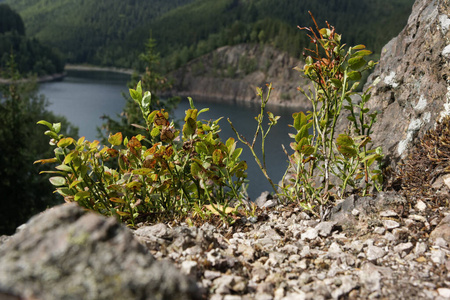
414, 71
68, 253
232, 73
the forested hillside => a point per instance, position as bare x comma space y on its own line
112, 32
27, 56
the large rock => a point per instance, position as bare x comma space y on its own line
414, 91
68, 253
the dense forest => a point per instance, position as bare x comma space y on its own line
23, 192
111, 33
31, 56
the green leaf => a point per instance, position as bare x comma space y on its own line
57, 181
142, 171
136, 96
133, 185
347, 151
196, 169
302, 133
336, 83
70, 157
354, 75
345, 140
51, 134
139, 88
189, 127
358, 47
82, 195
307, 150
147, 100
236, 153
43, 122
116, 139
63, 143
64, 168
300, 120
56, 127
356, 63
155, 132
362, 53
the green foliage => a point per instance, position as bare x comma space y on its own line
24, 193
10, 21
32, 58
323, 166
110, 33
334, 72
167, 178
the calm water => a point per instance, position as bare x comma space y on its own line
84, 96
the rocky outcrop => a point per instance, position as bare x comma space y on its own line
414, 71
232, 73
68, 253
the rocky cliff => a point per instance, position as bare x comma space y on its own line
414, 91
232, 73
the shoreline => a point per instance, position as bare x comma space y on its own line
97, 68
46, 78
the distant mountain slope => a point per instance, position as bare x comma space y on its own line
113, 32
82, 29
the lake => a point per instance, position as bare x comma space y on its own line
84, 96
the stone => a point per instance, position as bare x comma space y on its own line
442, 230
421, 206
67, 252
444, 292
413, 92
189, 267
438, 256
404, 247
325, 228
373, 253
390, 224
310, 234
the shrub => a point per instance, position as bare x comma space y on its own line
170, 178
325, 164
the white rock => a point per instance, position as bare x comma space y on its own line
310, 234
189, 267
403, 247
388, 213
421, 206
390, 224
299, 295
420, 248
379, 230
438, 256
444, 292
374, 253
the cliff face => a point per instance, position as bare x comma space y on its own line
414, 91
232, 73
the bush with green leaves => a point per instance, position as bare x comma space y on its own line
326, 165
172, 177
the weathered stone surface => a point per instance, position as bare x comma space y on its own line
414, 90
68, 253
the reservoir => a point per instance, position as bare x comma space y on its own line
83, 97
